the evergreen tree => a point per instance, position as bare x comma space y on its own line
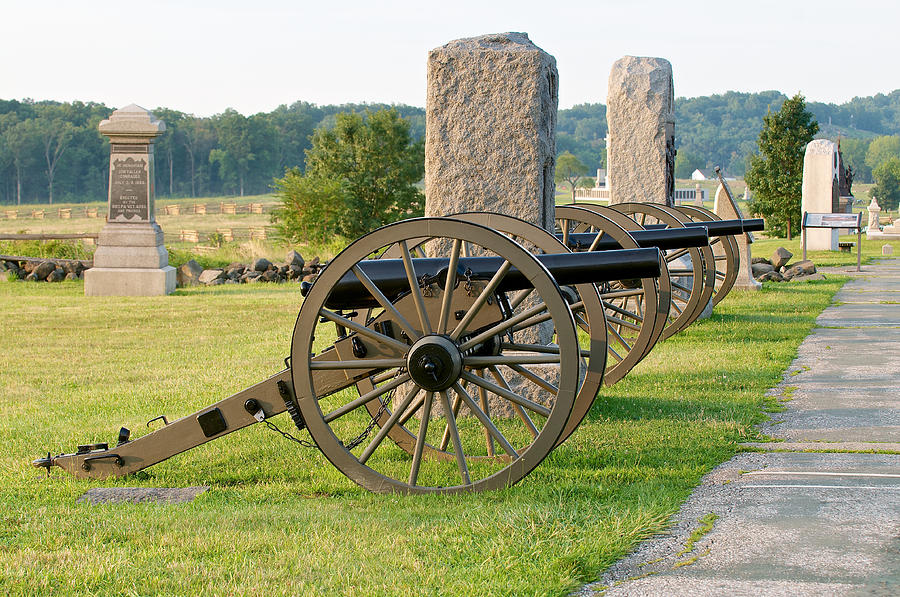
776, 173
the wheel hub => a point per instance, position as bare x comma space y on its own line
434, 363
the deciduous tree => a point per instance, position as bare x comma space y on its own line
378, 164
570, 169
776, 173
887, 184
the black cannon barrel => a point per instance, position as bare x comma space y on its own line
721, 227
662, 238
389, 276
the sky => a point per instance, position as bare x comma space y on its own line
204, 56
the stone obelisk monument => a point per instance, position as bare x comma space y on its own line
641, 142
490, 137
820, 192
131, 259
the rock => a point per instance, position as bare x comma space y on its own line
31, 277
72, 276
760, 260
235, 265
271, 276
283, 270
251, 275
772, 275
262, 264
314, 262
189, 273
253, 279
310, 278
209, 275
801, 268
759, 269
29, 266
780, 257
295, 272
887, 249
294, 258
3, 266
640, 112
57, 275
217, 282
808, 277
43, 269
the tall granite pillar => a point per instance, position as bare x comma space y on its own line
490, 136
820, 191
640, 113
131, 259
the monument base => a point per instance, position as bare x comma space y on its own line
887, 234
123, 281
822, 240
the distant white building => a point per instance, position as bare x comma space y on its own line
704, 174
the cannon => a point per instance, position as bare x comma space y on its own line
432, 355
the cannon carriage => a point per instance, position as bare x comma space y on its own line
450, 354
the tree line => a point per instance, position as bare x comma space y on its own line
723, 130
52, 151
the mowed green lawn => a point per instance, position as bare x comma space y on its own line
278, 519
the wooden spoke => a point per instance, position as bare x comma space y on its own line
481, 300
354, 404
485, 421
363, 330
445, 438
414, 286
357, 364
619, 337
519, 410
385, 302
535, 378
420, 439
449, 285
524, 359
501, 327
614, 294
383, 431
457, 443
508, 394
623, 312
519, 297
485, 406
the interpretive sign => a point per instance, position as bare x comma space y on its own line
825, 220
129, 185
832, 220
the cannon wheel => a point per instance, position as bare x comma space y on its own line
688, 301
663, 283
336, 417
589, 318
635, 314
725, 249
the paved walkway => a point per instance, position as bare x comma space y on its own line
794, 522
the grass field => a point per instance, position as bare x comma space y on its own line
278, 519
